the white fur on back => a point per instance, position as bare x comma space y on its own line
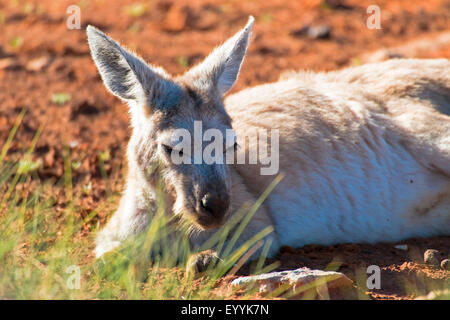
356, 169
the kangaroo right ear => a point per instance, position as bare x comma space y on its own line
128, 77
221, 68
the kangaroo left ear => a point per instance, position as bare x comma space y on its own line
221, 68
129, 77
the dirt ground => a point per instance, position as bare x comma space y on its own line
40, 57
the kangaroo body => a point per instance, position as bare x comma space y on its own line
365, 152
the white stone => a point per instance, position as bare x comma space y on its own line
293, 279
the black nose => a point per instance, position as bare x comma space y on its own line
217, 206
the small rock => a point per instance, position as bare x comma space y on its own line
403, 247
326, 283
73, 144
9, 64
319, 32
430, 257
445, 264
38, 64
313, 31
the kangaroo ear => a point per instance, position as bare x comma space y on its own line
221, 68
128, 77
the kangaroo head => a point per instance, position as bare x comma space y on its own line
165, 109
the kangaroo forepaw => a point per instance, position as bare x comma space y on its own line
198, 263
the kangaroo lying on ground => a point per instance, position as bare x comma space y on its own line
365, 151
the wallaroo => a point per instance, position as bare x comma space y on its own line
365, 151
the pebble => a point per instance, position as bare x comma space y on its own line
9, 64
319, 32
313, 31
38, 64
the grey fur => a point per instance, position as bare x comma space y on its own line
128, 77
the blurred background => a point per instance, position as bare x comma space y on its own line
46, 70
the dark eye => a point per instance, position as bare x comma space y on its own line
235, 147
169, 150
